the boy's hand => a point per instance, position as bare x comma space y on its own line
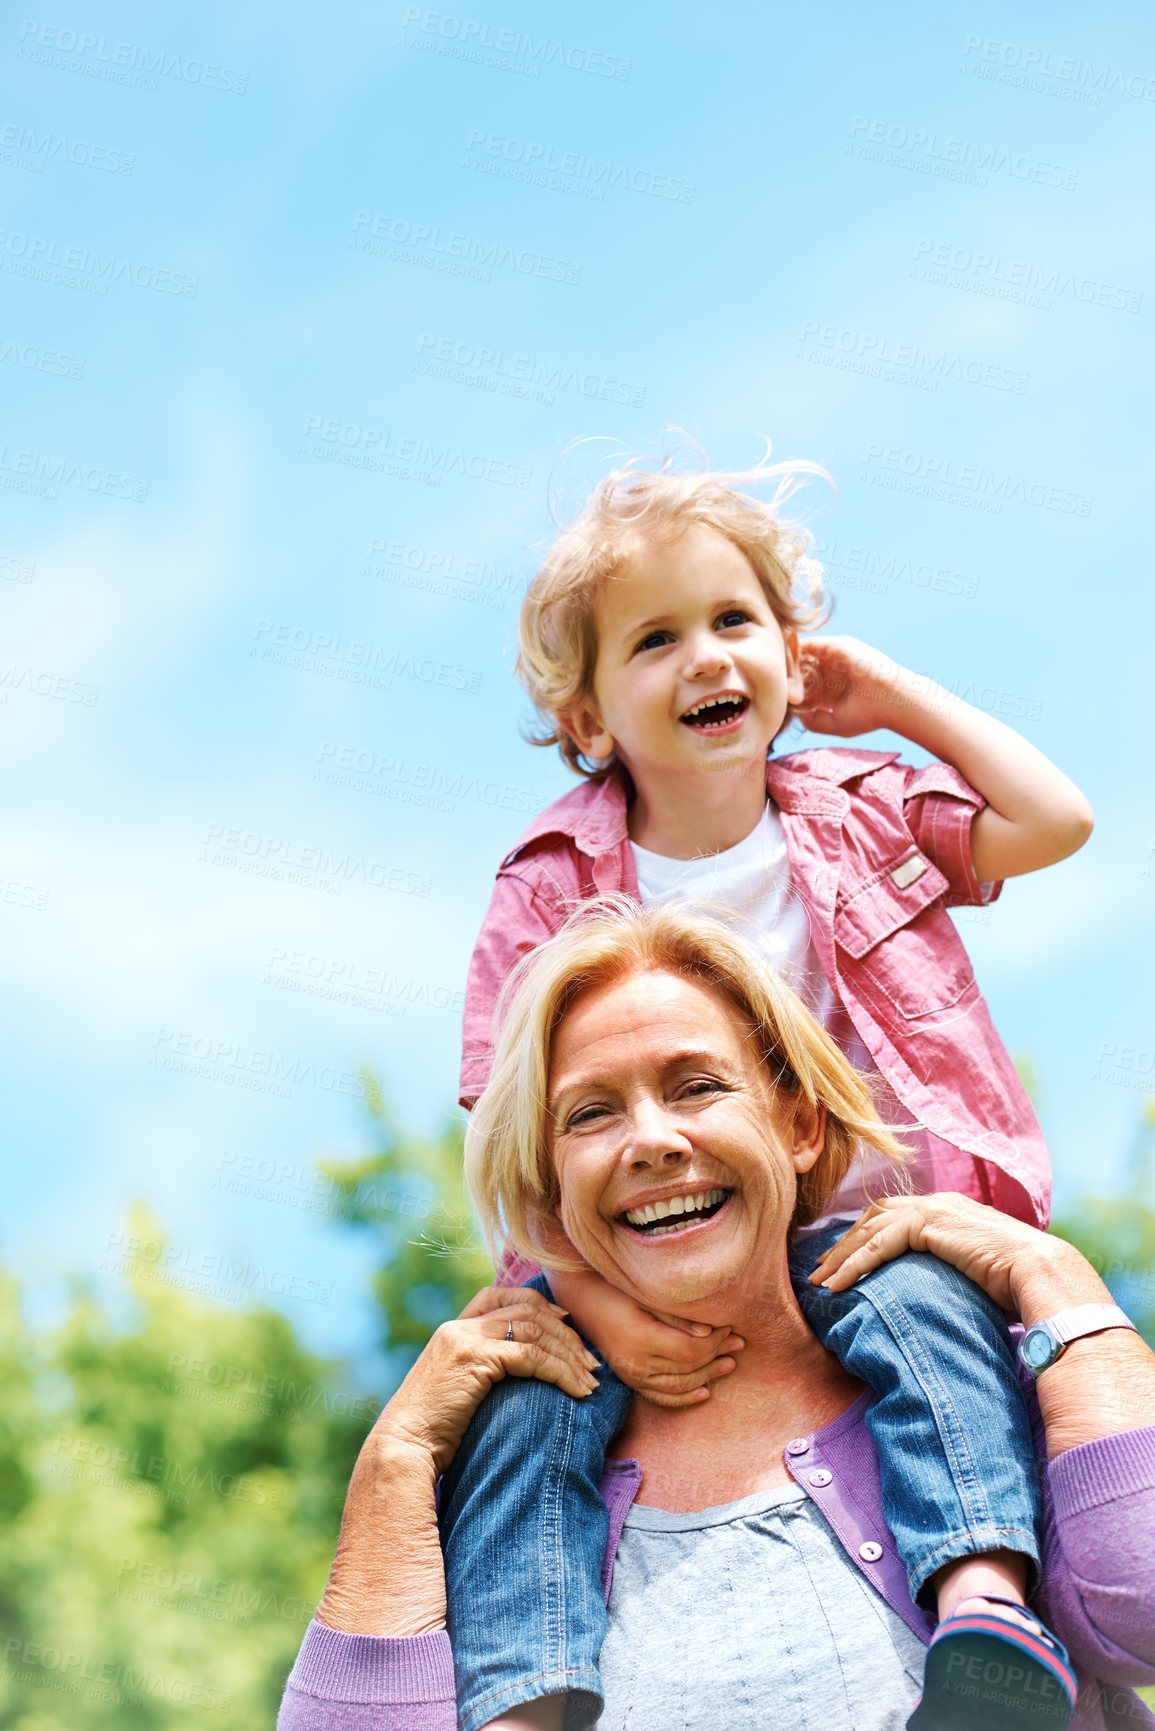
663, 1358
850, 687
1033, 815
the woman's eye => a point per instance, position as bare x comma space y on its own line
585, 1115
702, 1086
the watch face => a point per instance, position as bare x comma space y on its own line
1037, 1348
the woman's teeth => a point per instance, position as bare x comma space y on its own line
647, 1218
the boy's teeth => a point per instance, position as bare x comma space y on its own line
674, 1205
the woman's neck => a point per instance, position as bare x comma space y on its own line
785, 1384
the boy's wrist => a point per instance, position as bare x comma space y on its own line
903, 700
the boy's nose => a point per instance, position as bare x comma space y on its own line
707, 657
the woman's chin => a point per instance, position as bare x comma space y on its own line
681, 1268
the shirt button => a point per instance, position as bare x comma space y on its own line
870, 1552
799, 1446
820, 1477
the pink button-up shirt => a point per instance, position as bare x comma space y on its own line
878, 851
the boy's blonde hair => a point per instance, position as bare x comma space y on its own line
507, 1161
632, 506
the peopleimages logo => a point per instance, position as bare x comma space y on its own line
1017, 280
473, 39
41, 147
80, 267
120, 62
1032, 65
449, 249
934, 154
942, 477
488, 368
533, 161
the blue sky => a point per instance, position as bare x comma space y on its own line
302, 313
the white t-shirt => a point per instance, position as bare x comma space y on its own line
748, 888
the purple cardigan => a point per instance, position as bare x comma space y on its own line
1098, 1591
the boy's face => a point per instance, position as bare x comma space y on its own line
693, 671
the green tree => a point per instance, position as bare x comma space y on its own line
1117, 1233
410, 1191
172, 1496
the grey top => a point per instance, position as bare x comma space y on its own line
750, 1617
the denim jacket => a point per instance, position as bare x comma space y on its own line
878, 852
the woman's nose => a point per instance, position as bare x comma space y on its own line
656, 1143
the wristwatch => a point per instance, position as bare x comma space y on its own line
1044, 1342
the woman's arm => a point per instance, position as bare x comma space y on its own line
1034, 814
1097, 1403
376, 1653
387, 1576
1102, 1385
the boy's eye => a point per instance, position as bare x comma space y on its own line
652, 640
734, 616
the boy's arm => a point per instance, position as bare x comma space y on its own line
1034, 815
666, 1360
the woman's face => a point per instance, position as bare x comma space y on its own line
675, 1155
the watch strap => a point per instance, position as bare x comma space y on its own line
1082, 1319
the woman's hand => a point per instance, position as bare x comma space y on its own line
1019, 1267
463, 1360
1102, 1385
387, 1576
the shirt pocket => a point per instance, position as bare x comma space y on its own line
891, 926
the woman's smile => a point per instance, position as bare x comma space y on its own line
676, 1215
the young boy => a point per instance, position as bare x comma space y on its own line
660, 645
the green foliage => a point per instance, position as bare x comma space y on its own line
1117, 1233
171, 1494
172, 1497
411, 1192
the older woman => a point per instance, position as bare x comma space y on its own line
751, 1578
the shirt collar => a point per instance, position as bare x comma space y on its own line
594, 815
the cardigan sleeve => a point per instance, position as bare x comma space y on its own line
370, 1683
1099, 1562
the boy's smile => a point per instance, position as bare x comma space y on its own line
694, 674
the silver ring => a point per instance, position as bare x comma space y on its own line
509, 1331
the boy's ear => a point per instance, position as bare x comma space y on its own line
585, 727
795, 683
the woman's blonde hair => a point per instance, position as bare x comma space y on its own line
635, 505
507, 1161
